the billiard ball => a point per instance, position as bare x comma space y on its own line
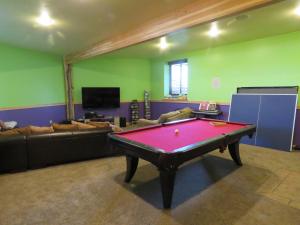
176, 131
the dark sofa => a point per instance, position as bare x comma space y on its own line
13, 153
19, 153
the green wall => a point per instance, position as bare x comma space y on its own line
132, 75
272, 61
29, 78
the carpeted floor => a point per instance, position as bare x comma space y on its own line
210, 190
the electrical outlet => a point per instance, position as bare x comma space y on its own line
50, 121
216, 83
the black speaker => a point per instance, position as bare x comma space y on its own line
122, 121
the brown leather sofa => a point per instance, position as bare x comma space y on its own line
13, 153
180, 114
19, 153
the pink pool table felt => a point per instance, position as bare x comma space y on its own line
190, 132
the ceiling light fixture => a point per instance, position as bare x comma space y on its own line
44, 19
297, 11
163, 44
214, 30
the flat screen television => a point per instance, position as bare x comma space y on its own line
100, 97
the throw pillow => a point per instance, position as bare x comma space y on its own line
116, 128
23, 130
164, 117
9, 133
83, 126
10, 124
64, 127
2, 125
100, 124
180, 116
144, 122
41, 130
186, 110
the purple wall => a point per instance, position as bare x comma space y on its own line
39, 116
157, 108
123, 111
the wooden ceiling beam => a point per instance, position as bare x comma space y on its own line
199, 12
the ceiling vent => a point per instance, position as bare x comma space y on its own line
238, 18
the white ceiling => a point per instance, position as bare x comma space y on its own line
80, 23
267, 21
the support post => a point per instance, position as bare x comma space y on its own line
69, 90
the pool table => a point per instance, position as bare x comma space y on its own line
169, 145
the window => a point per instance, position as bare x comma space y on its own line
178, 77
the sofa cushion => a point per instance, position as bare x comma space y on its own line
65, 127
41, 130
9, 133
164, 117
83, 126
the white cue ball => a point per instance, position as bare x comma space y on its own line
176, 131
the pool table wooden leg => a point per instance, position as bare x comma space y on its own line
167, 179
234, 150
132, 163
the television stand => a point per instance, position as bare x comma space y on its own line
91, 115
103, 119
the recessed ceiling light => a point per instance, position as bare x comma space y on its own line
238, 19
297, 11
44, 19
163, 44
214, 30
